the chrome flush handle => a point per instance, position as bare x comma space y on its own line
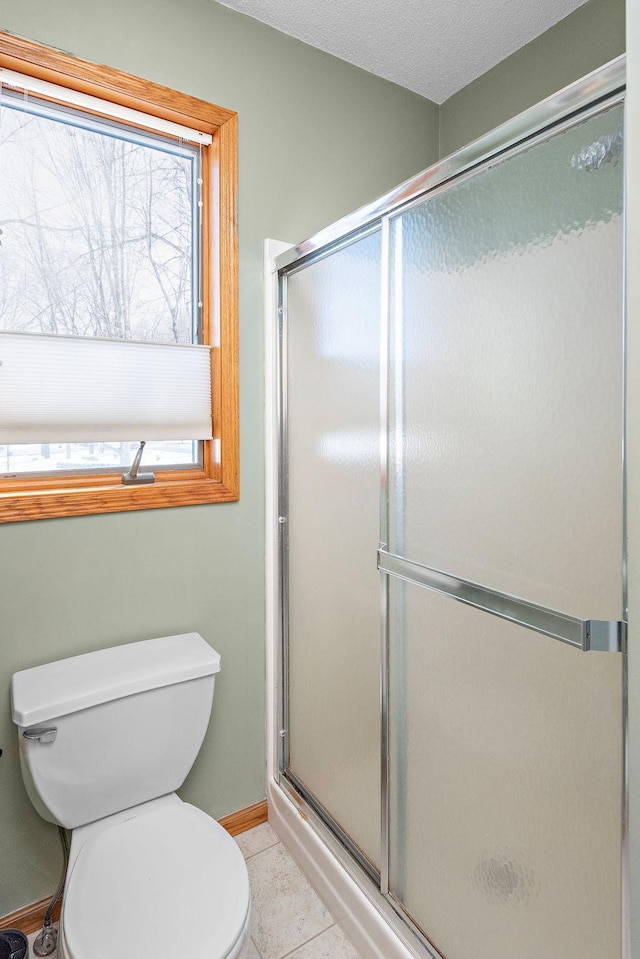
44, 734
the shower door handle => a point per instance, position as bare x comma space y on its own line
585, 634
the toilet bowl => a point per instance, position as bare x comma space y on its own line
155, 877
163, 879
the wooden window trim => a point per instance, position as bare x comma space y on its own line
218, 481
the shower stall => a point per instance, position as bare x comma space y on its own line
449, 563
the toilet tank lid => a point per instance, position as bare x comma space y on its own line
45, 692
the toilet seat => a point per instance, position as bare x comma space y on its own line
170, 882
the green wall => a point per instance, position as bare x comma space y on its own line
318, 138
583, 41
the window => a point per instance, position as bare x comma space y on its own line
118, 291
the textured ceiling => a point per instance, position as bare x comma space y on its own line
433, 47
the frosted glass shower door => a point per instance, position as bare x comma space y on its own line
506, 489
333, 432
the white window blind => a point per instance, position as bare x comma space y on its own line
67, 389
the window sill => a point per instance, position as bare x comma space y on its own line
112, 497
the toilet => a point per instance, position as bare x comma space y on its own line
105, 740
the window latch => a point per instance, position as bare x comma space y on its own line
133, 477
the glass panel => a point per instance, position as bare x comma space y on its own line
506, 784
333, 316
100, 239
506, 385
99, 227
47, 457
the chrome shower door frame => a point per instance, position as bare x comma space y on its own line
599, 90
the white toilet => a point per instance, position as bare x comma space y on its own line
105, 740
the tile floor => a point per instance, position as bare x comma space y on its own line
288, 919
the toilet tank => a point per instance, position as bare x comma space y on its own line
105, 731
